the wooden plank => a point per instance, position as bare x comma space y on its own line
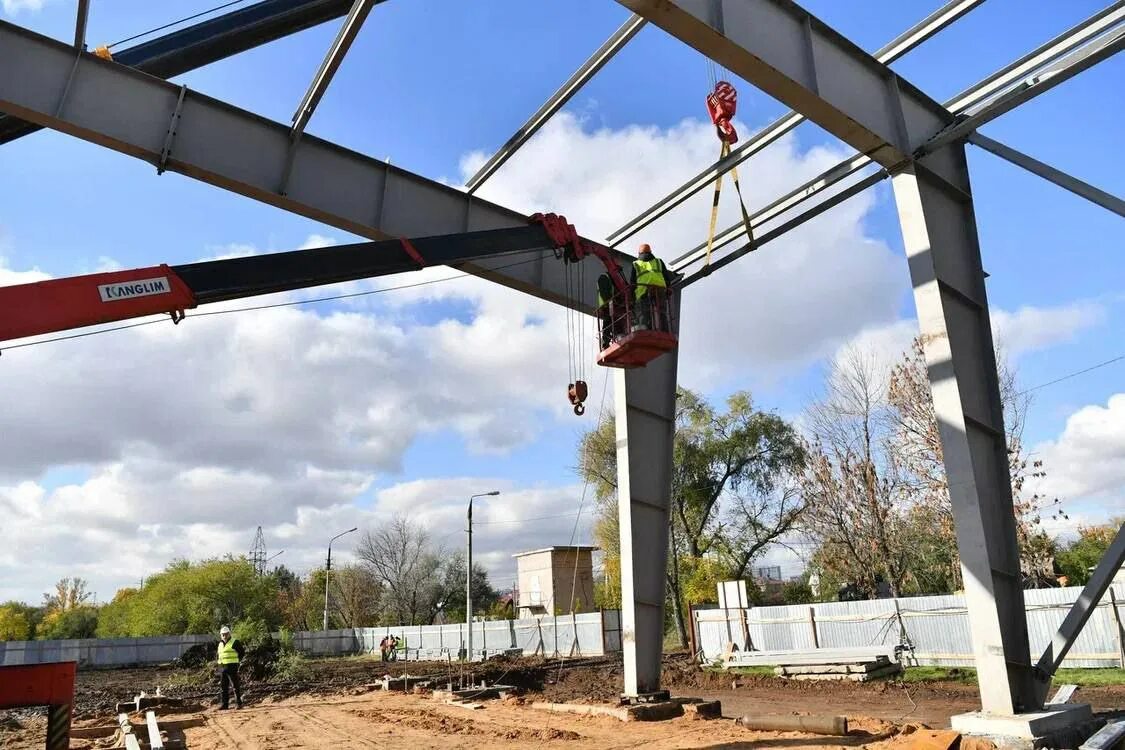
124, 724
131, 742
154, 741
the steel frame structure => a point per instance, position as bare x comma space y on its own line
789, 54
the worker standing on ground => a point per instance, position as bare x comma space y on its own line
651, 279
231, 652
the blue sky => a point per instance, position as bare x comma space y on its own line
428, 84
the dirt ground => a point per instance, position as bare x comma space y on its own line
338, 705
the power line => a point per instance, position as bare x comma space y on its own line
1074, 374
252, 308
526, 520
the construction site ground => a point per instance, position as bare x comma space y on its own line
339, 705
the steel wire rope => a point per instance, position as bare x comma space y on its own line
176, 23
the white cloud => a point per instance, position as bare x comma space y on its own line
1033, 328
192, 435
14, 7
113, 542
1086, 463
1026, 330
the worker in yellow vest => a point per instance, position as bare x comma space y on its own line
231, 652
651, 279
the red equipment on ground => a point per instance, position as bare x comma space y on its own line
50, 685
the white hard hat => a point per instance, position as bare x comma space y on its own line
224, 630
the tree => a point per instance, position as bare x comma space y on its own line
189, 597
80, 621
730, 502
452, 593
853, 485
356, 592
69, 593
407, 566
876, 486
917, 442
1086, 551
15, 625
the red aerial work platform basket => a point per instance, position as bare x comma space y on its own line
635, 332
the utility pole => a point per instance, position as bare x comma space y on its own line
327, 572
469, 578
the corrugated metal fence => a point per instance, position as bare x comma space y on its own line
587, 634
937, 626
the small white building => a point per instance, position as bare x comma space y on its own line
548, 577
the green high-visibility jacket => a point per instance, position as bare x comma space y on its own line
648, 273
228, 653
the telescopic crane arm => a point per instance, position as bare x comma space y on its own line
66, 303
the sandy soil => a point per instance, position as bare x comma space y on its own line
399, 721
337, 706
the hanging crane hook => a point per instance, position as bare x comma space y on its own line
577, 392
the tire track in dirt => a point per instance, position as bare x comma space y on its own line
349, 740
212, 722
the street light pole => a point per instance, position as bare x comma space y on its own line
469, 577
327, 572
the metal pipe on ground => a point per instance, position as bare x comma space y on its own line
833, 725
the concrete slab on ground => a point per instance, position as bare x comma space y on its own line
1064, 726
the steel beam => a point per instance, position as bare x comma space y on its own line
331, 63
893, 50
1077, 36
588, 70
128, 111
646, 422
80, 24
1047, 172
939, 234
1057, 72
209, 41
1079, 614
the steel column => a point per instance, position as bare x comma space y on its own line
1076, 618
1047, 172
128, 111
939, 234
588, 70
646, 421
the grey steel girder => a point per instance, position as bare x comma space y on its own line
1047, 172
939, 234
1093, 592
128, 111
580, 78
646, 423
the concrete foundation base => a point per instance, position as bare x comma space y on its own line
1066, 726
